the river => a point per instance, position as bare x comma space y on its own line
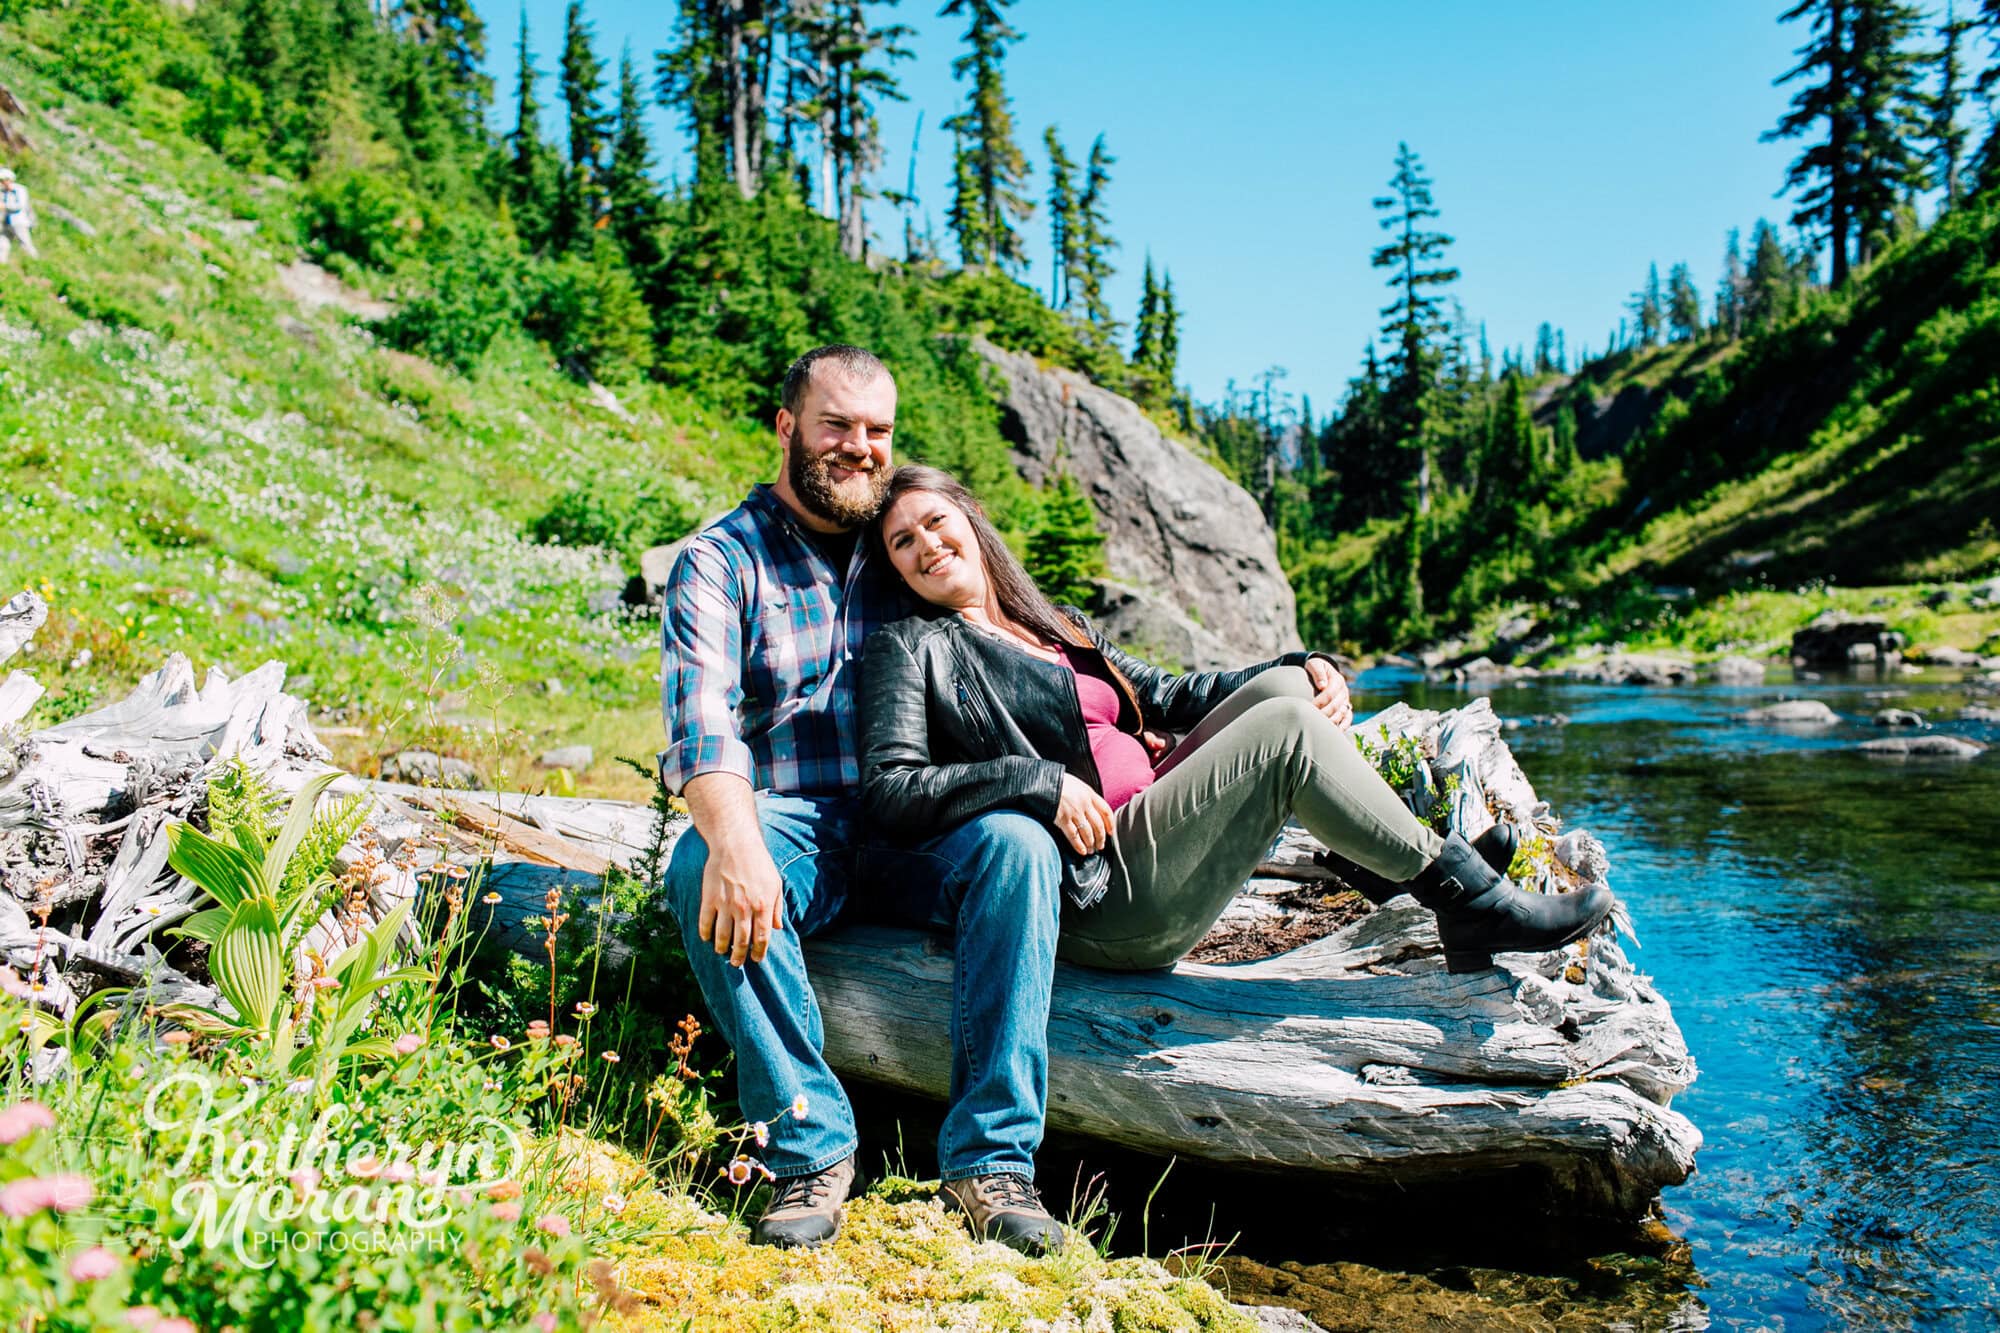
1826, 925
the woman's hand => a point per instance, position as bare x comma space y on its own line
1083, 816
1330, 691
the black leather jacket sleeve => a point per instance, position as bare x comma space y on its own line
902, 788
1178, 703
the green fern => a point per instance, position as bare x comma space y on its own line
241, 802
328, 833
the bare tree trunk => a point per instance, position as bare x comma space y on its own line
736, 85
11, 138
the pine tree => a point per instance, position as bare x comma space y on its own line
991, 173
1545, 348
1094, 244
1729, 291
1768, 290
530, 160
581, 195
1066, 550
1168, 360
1065, 224
632, 198
1946, 131
1563, 455
1648, 307
1857, 174
453, 39
1683, 305
846, 87
1146, 328
1510, 467
1414, 321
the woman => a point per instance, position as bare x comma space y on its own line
992, 698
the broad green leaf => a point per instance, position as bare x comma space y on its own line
294, 831
206, 925
228, 875
369, 1048
247, 963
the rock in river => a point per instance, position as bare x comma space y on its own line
1924, 747
1796, 712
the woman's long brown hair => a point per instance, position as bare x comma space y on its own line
1014, 593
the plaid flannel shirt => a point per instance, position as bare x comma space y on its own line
760, 645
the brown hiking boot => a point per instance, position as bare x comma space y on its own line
805, 1211
1004, 1207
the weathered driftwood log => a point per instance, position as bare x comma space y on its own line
1354, 1057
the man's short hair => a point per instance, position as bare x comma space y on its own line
855, 362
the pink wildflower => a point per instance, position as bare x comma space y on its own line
799, 1107
92, 1264
24, 1118
507, 1210
544, 1321
325, 983
555, 1224
738, 1171
365, 1168
409, 1044
500, 1043
762, 1133
64, 1194
611, 1057
178, 1037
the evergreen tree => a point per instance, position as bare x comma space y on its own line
1946, 130
1414, 321
1510, 467
1649, 308
1066, 550
530, 162
1854, 176
581, 196
1768, 291
634, 201
453, 38
990, 173
1168, 360
1065, 224
1683, 305
1545, 348
1146, 329
1563, 455
1094, 244
1729, 292
840, 46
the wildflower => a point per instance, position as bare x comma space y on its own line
432, 1179
738, 1171
499, 1042
763, 1133
300, 1085
490, 899
24, 1118
544, 1321
614, 1203
507, 1211
564, 1040
365, 1168
452, 871
10, 981
154, 909
610, 1057
399, 1173
142, 1316
306, 1178
325, 983
62, 1194
505, 1189
409, 1044
178, 1037
799, 1107
92, 1264
175, 1325
765, 1171
584, 1009
537, 1030
490, 1086
555, 1224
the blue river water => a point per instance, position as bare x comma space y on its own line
1826, 925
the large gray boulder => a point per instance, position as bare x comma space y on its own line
1149, 625
1173, 525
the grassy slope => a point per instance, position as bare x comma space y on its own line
194, 462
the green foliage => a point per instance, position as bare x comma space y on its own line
589, 314
622, 516
1065, 547
468, 294
371, 218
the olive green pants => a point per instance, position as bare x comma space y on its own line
1186, 844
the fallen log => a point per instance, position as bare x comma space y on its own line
1355, 1058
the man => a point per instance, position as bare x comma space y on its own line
16, 220
765, 614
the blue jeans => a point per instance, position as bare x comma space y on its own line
994, 883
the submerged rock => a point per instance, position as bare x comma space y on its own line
1899, 717
1738, 671
1925, 747
1797, 712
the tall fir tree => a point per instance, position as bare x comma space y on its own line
1768, 292
1729, 290
1545, 348
1510, 467
1065, 548
989, 200
580, 197
1414, 322
453, 38
531, 163
1065, 224
1683, 305
632, 198
1863, 112
1946, 130
1094, 244
1649, 309
1168, 360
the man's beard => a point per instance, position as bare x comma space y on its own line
818, 494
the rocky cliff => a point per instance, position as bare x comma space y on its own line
1199, 563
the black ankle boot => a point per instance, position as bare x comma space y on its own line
1496, 847
1480, 913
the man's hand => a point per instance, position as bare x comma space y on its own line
742, 894
1330, 692
742, 902
1158, 745
1083, 816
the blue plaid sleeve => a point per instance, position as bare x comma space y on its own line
701, 668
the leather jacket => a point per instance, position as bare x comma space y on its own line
955, 723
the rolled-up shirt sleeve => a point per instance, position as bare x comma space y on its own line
701, 669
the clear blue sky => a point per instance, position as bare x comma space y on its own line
1571, 143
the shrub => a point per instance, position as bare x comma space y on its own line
622, 517
469, 295
369, 217
590, 315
